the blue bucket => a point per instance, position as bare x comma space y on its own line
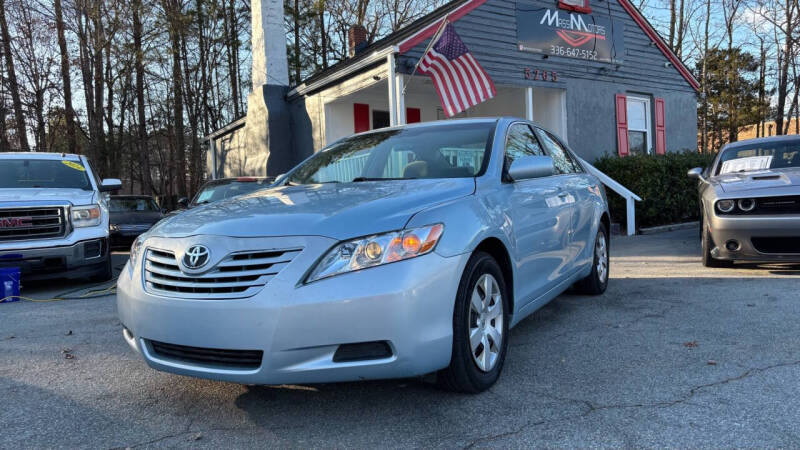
9, 284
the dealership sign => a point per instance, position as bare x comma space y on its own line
558, 32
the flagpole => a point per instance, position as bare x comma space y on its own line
427, 49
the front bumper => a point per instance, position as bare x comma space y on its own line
77, 260
743, 230
408, 304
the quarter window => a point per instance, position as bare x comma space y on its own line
561, 157
521, 142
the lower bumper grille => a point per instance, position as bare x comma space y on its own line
776, 245
245, 359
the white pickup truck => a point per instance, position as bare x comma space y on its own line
54, 216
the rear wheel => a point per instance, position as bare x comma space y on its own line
480, 328
597, 281
708, 245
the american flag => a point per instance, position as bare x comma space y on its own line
460, 81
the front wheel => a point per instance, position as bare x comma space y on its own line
708, 245
480, 328
597, 281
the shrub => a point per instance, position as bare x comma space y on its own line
668, 195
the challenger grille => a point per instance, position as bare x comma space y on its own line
238, 275
17, 224
777, 245
245, 359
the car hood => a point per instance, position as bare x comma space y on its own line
335, 210
74, 196
757, 180
135, 217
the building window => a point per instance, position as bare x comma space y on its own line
639, 134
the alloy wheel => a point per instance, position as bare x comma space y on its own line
486, 322
601, 255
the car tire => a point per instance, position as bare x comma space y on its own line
105, 273
708, 245
472, 368
597, 281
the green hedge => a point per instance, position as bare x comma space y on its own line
668, 195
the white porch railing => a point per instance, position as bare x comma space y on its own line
629, 196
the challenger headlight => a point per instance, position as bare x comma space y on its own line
747, 204
726, 206
86, 216
376, 250
113, 227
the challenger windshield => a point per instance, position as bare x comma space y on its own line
766, 155
43, 173
443, 151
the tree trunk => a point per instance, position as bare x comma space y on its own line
173, 8
144, 161
704, 84
19, 117
69, 113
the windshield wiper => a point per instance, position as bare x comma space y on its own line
359, 179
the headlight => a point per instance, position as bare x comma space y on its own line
136, 248
376, 250
747, 204
85, 216
113, 227
726, 206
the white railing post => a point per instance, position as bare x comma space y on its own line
630, 197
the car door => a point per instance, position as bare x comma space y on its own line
540, 220
580, 199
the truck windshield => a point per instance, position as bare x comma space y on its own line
43, 173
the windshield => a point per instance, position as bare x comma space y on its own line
216, 191
443, 151
43, 173
766, 155
133, 204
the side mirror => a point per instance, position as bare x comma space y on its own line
183, 203
527, 167
110, 184
696, 173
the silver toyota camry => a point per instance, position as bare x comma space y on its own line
750, 202
394, 253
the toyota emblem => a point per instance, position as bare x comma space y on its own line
195, 257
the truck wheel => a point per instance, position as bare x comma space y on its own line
480, 328
105, 273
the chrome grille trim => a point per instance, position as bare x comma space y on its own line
237, 275
47, 222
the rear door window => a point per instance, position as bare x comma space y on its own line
562, 160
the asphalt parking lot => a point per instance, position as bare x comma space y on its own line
673, 355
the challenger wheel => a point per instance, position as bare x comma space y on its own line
708, 245
597, 281
480, 328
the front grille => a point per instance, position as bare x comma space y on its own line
238, 275
17, 224
777, 245
245, 359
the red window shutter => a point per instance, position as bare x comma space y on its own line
413, 115
622, 125
661, 135
360, 117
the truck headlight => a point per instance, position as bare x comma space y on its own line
86, 216
376, 250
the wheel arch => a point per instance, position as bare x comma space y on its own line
495, 247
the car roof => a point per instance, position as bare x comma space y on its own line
131, 196
437, 123
40, 155
746, 142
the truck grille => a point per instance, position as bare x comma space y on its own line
245, 359
17, 224
238, 275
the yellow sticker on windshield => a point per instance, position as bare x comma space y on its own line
74, 165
